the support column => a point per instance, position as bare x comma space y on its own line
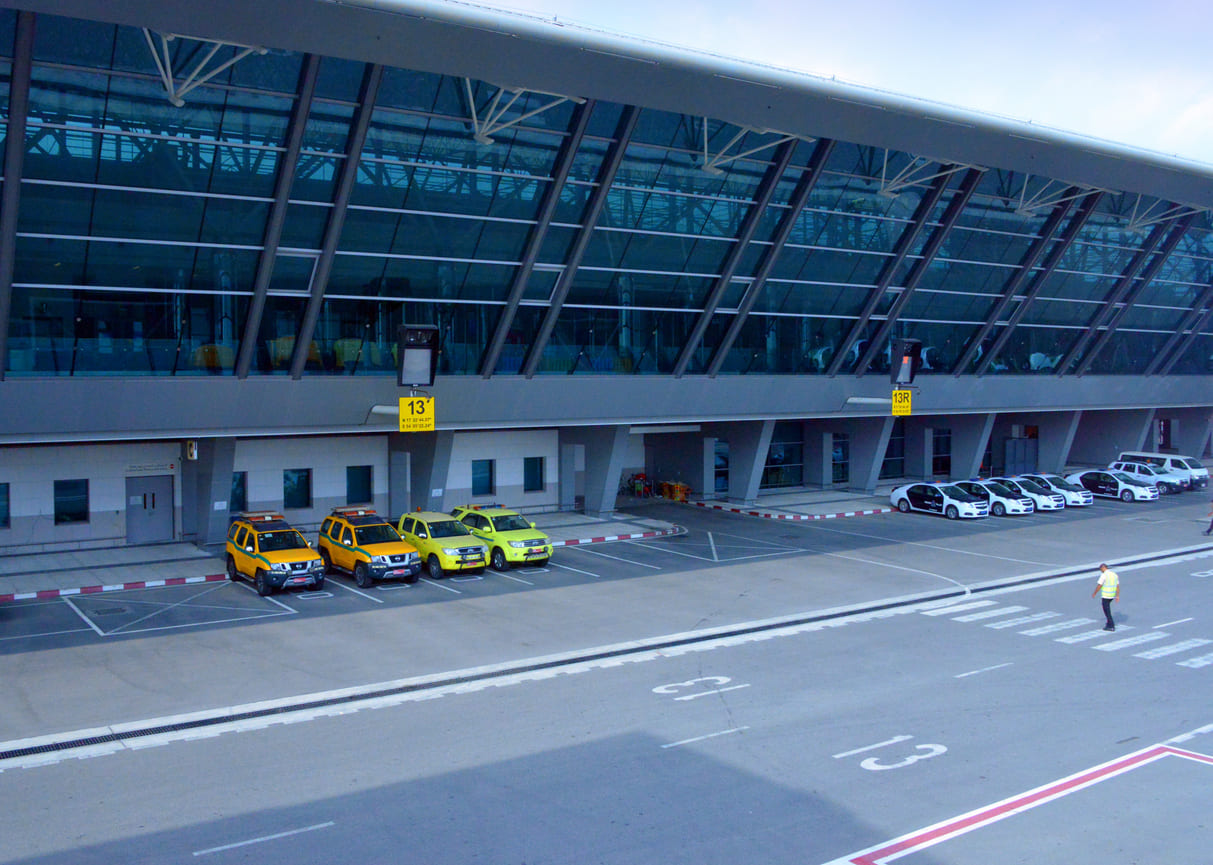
818, 456
920, 450
749, 443
970, 435
1104, 435
206, 489
418, 467
605, 450
1056, 432
869, 439
1190, 429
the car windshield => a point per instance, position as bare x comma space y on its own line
957, 493
380, 533
448, 529
1001, 490
272, 542
509, 523
1125, 479
1153, 470
1062, 484
1192, 464
1032, 487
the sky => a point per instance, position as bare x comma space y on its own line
1137, 73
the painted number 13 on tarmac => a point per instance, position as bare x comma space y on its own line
416, 414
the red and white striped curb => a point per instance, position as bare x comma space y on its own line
44, 594
676, 530
770, 516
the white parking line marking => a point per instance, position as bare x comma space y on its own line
574, 570
1176, 622
46, 634
264, 838
1173, 649
989, 614
958, 608
355, 591
892, 741
80, 613
702, 738
1202, 661
269, 598
515, 579
712, 544
626, 561
982, 670
439, 585
1130, 641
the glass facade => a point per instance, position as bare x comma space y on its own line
142, 241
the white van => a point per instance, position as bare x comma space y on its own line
1180, 465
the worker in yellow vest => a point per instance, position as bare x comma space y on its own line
1108, 587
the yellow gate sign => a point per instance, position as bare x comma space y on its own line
901, 402
416, 414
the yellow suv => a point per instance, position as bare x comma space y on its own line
264, 547
360, 542
446, 545
511, 539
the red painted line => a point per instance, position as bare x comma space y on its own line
638, 535
802, 517
943, 831
47, 593
4, 599
50, 594
88, 590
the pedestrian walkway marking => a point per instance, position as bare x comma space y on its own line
1022, 620
989, 614
957, 608
1057, 626
1173, 649
1090, 635
1201, 661
1131, 641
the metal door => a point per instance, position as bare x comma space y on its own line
149, 509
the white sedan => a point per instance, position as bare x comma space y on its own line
1114, 485
1043, 497
930, 498
1001, 499
1075, 495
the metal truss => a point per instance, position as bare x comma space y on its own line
713, 162
1048, 195
1141, 216
489, 120
158, 45
919, 171
1190, 328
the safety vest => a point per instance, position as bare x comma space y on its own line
1111, 582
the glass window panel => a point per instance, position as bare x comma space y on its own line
1197, 359
483, 481
339, 79
1140, 317
609, 340
276, 341
427, 278
238, 499
823, 265
532, 474
1035, 349
785, 345
304, 226
401, 88
812, 299
5, 519
518, 339
1061, 312
358, 489
1127, 352
965, 276
296, 489
947, 306
643, 289
71, 501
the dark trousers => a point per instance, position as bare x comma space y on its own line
1107, 611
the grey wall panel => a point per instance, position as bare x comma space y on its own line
100, 408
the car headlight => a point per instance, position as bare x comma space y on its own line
280, 567
519, 545
380, 560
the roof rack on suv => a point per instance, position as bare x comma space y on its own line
356, 511
260, 516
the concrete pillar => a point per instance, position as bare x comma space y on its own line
418, 467
970, 435
1056, 432
1190, 429
605, 453
749, 442
869, 439
206, 487
818, 451
920, 449
1104, 435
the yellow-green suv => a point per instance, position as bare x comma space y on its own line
511, 539
264, 547
446, 545
360, 542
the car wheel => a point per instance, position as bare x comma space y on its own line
998, 510
951, 513
412, 578
1126, 495
262, 584
498, 559
328, 564
232, 573
904, 506
318, 585
435, 567
362, 576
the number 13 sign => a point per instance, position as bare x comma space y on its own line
416, 414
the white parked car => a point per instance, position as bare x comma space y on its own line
938, 498
1075, 495
1167, 481
1001, 499
1043, 497
1114, 485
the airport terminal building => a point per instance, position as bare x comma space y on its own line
639, 259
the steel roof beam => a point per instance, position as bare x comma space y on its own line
800, 199
918, 221
277, 215
1177, 344
14, 168
951, 214
606, 176
200, 74
1009, 290
565, 157
341, 200
1078, 349
1073, 229
762, 198
1134, 289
